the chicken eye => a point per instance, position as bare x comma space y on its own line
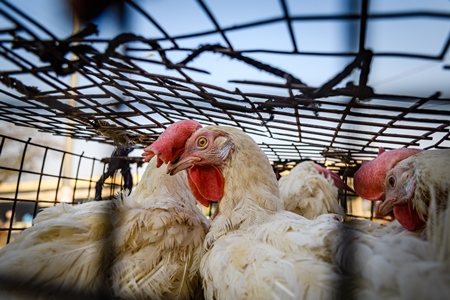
202, 142
391, 181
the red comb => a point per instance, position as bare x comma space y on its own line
170, 143
338, 182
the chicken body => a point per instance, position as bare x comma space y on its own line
146, 245
309, 193
258, 250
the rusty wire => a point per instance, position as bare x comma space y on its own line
126, 103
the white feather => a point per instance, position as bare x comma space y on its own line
257, 250
146, 245
308, 193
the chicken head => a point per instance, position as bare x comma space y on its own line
400, 189
369, 180
183, 148
204, 152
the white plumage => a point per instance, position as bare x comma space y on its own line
257, 250
308, 193
146, 245
283, 257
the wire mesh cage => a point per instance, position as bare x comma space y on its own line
121, 98
331, 83
34, 177
334, 82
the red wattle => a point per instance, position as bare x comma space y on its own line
203, 201
206, 183
408, 217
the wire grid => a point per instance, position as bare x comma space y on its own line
21, 198
125, 101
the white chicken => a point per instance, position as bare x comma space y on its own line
258, 250
309, 193
146, 245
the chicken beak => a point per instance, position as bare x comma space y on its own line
387, 206
178, 164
